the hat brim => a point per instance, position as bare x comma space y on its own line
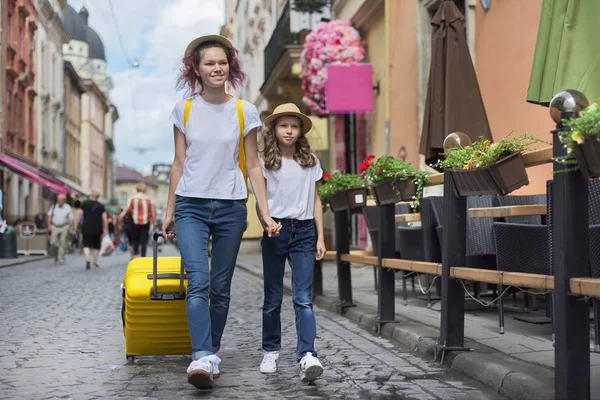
306, 122
207, 38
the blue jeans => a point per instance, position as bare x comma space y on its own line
195, 221
296, 243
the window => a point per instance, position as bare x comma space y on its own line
10, 28
20, 115
53, 76
123, 198
42, 64
31, 121
9, 111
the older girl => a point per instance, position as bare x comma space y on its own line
207, 191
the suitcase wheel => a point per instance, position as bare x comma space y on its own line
129, 357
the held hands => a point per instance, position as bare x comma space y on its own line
320, 249
271, 227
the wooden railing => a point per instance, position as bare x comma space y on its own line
571, 272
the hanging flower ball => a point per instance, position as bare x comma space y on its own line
334, 42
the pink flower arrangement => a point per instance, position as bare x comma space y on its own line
335, 42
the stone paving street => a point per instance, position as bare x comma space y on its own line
61, 338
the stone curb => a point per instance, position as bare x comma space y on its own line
21, 262
508, 376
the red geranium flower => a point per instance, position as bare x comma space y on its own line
370, 156
326, 176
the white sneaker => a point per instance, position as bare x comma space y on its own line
310, 368
269, 362
201, 372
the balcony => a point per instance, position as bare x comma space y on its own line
282, 40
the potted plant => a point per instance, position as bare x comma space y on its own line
582, 141
324, 189
394, 180
343, 191
486, 168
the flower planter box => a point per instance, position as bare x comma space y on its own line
394, 190
503, 177
588, 157
348, 199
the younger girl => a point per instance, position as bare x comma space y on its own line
291, 171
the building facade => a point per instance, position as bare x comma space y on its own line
85, 52
268, 35
93, 163
19, 136
74, 89
51, 114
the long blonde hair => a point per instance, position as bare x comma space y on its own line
271, 153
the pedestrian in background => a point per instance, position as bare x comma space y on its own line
292, 171
141, 210
61, 222
207, 191
93, 228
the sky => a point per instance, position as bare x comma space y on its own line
156, 33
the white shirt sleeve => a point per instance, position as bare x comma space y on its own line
317, 171
251, 118
177, 116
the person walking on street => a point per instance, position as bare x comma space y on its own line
215, 139
292, 171
142, 211
61, 222
93, 228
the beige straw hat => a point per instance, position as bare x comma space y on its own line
290, 109
207, 38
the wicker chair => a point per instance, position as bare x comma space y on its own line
518, 255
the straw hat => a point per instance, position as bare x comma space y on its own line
290, 109
207, 38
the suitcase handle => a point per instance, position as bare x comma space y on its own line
155, 276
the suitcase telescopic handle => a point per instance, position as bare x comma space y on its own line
163, 296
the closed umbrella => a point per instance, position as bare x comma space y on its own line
454, 102
567, 51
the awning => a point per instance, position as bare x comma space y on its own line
71, 185
32, 173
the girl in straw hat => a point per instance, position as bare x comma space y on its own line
215, 150
291, 171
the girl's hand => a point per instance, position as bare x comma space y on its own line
168, 225
320, 249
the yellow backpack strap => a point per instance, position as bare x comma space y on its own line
186, 111
242, 153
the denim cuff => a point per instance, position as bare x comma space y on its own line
199, 354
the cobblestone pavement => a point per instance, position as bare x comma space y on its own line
61, 338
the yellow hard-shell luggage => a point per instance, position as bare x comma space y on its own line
154, 316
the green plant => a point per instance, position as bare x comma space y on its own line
335, 183
483, 152
584, 127
309, 6
376, 171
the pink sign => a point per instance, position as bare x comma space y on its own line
349, 88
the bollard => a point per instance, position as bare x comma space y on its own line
571, 259
342, 241
386, 293
454, 239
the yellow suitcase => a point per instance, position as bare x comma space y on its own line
153, 313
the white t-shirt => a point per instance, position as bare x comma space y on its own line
291, 190
211, 168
